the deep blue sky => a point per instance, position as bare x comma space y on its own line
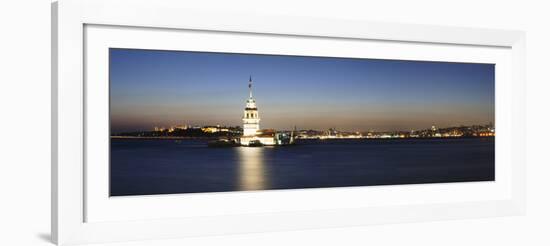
162, 88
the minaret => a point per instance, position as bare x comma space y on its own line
251, 119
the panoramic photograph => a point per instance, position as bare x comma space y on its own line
193, 122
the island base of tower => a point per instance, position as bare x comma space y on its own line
252, 140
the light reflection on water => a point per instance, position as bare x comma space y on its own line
252, 169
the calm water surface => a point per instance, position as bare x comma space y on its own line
144, 167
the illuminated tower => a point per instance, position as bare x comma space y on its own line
251, 119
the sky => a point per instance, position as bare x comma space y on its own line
151, 88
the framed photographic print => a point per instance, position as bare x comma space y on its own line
172, 123
181, 122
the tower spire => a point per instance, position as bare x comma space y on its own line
250, 86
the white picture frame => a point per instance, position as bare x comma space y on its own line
82, 214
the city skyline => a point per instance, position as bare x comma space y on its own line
163, 88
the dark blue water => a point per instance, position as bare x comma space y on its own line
144, 167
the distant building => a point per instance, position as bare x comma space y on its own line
181, 127
210, 129
214, 129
